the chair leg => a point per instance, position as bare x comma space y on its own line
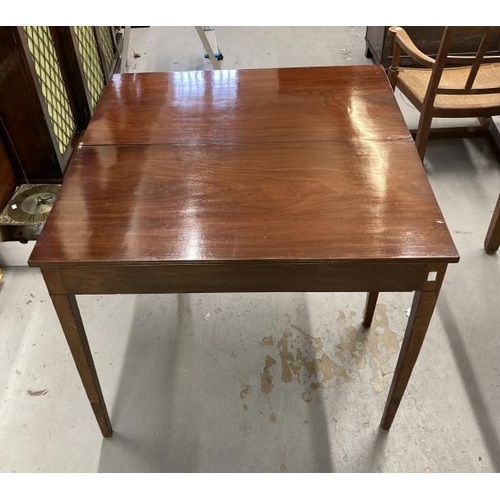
485, 122
493, 135
424, 128
492, 241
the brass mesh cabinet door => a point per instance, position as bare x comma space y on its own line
51, 78
107, 49
107, 43
91, 62
37, 122
51, 81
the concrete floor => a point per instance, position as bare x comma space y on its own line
193, 382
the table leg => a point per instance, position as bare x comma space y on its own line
72, 325
371, 302
420, 316
492, 241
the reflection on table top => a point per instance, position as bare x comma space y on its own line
263, 105
302, 164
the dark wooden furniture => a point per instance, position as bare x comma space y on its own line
301, 179
492, 241
51, 81
28, 129
380, 44
8, 183
7, 177
469, 89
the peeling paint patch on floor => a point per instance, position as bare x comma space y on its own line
303, 358
375, 346
267, 377
268, 341
246, 390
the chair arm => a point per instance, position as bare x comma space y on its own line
405, 42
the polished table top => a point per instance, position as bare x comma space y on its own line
241, 106
293, 165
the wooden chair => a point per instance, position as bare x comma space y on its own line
470, 89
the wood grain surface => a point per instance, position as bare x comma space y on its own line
297, 164
342, 200
238, 277
261, 105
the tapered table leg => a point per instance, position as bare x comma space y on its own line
420, 316
72, 325
492, 241
371, 302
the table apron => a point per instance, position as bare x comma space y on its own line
240, 277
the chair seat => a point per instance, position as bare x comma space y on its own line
413, 83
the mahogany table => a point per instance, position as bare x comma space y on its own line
299, 179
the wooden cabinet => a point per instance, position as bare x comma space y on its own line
379, 43
7, 177
52, 78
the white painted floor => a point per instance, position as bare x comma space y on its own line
193, 382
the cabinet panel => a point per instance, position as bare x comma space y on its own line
7, 177
53, 88
51, 80
28, 131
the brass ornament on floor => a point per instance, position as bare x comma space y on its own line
27, 211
